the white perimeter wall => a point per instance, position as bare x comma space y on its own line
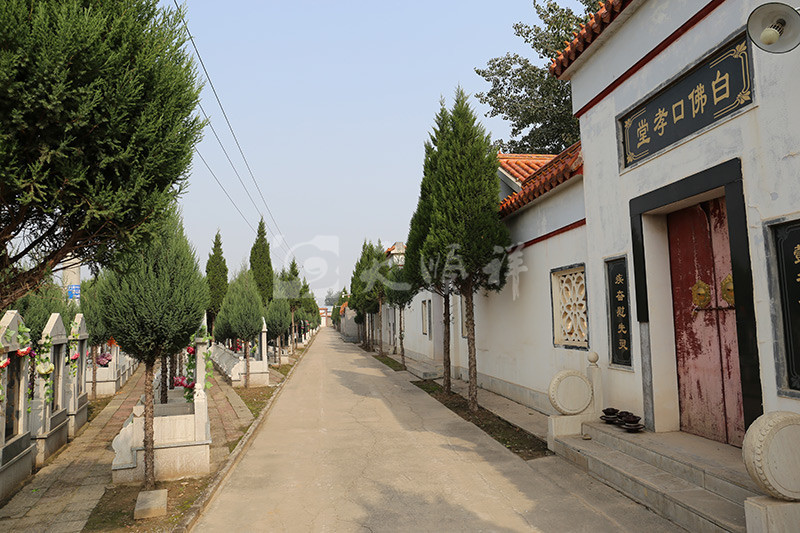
514, 337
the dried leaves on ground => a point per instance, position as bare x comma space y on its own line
114, 512
516, 439
255, 398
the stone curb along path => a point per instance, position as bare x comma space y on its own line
236, 455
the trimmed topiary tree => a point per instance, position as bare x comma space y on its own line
240, 314
279, 320
152, 308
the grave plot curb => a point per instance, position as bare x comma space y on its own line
191, 516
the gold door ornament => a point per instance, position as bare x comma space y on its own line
727, 289
701, 294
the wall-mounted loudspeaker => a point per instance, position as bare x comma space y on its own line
774, 27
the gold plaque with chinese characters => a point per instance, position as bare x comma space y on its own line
715, 88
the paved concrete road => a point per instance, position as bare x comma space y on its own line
353, 446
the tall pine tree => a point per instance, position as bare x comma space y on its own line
217, 278
425, 269
465, 224
261, 264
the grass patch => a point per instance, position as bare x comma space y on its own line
388, 361
284, 369
95, 406
255, 398
516, 439
114, 511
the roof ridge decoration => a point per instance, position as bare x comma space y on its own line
558, 170
587, 33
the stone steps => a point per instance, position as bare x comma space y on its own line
698, 484
421, 369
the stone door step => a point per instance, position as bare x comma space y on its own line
422, 369
698, 484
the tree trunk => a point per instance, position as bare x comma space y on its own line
149, 458
164, 390
402, 348
294, 332
446, 379
380, 325
247, 364
94, 372
173, 366
371, 332
473, 365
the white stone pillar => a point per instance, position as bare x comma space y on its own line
263, 339
202, 430
593, 373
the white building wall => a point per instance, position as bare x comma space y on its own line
515, 353
765, 137
419, 346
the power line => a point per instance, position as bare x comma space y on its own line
223, 190
230, 127
224, 151
236, 140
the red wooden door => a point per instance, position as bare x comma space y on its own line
710, 390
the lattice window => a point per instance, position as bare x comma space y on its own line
570, 323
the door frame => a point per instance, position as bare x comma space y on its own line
725, 180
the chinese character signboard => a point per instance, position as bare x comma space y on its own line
714, 89
619, 311
787, 244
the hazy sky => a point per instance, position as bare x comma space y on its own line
331, 102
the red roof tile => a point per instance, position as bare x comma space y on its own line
522, 166
561, 168
588, 32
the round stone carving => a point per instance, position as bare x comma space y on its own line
570, 392
771, 453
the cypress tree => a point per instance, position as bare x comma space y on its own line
92, 311
98, 126
240, 314
466, 230
261, 264
279, 320
425, 267
217, 278
289, 287
152, 308
399, 294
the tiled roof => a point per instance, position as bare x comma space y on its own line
522, 166
588, 32
561, 168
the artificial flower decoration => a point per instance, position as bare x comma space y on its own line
22, 352
5, 363
190, 350
74, 356
45, 368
